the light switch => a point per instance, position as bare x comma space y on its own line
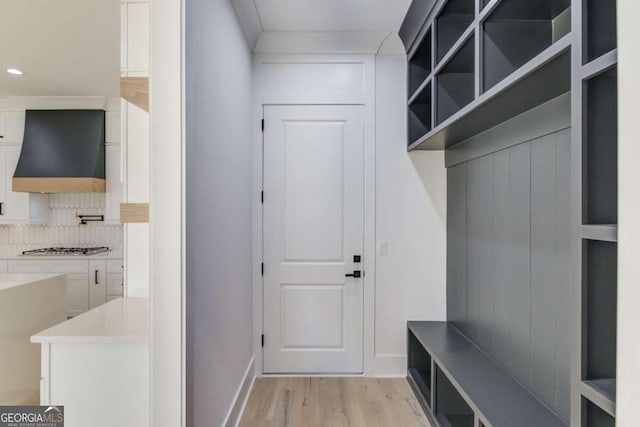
383, 247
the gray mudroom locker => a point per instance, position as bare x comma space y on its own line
522, 97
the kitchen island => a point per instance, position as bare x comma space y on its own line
28, 303
97, 365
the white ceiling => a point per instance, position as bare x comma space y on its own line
348, 21
331, 15
64, 47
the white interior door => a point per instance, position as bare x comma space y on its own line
313, 228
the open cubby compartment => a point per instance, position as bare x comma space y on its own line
420, 64
600, 145
454, 18
599, 310
455, 83
420, 367
451, 408
594, 416
420, 115
517, 31
599, 32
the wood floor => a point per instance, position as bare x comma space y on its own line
302, 402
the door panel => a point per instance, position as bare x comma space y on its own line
313, 226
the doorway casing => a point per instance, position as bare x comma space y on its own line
317, 80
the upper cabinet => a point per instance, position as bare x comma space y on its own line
134, 47
18, 208
11, 127
475, 64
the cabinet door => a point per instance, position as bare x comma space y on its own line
3, 266
114, 186
15, 206
97, 283
12, 127
115, 285
77, 294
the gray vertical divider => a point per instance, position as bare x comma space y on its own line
577, 128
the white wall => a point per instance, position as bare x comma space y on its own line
218, 210
411, 218
628, 212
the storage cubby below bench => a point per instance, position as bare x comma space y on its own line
458, 385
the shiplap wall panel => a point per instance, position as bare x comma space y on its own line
544, 303
565, 295
457, 244
501, 253
520, 262
508, 264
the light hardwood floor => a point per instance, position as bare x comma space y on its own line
315, 401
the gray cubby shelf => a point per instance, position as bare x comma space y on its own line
595, 416
543, 78
603, 232
602, 393
600, 187
469, 384
455, 82
420, 114
517, 31
452, 21
599, 295
599, 32
420, 63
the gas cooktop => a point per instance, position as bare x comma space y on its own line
59, 251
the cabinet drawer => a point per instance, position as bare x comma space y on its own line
115, 284
114, 266
70, 266
30, 266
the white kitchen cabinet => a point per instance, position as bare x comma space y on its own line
12, 127
17, 207
135, 46
3, 266
82, 291
114, 184
97, 283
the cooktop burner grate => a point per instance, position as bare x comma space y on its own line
60, 251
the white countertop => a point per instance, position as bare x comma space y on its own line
106, 255
124, 320
8, 281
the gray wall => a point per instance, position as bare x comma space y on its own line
508, 260
218, 236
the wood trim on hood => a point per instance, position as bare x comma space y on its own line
60, 185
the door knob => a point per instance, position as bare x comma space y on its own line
357, 274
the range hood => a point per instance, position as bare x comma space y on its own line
62, 152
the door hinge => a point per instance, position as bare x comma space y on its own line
262, 268
262, 125
263, 340
262, 197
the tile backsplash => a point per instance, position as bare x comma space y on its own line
63, 228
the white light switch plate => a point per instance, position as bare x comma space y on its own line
383, 247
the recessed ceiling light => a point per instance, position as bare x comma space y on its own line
14, 71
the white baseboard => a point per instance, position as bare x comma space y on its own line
390, 365
241, 397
